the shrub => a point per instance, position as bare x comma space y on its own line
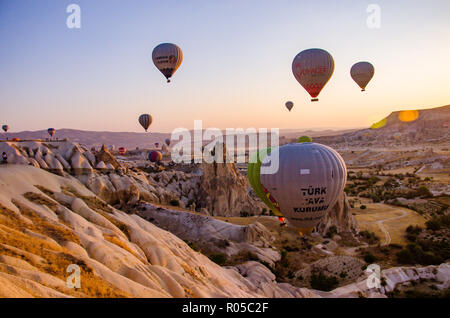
331, 231
174, 202
424, 192
370, 258
322, 282
219, 258
363, 207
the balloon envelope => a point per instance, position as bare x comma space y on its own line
154, 156
313, 68
304, 139
167, 141
253, 175
122, 150
289, 105
307, 184
51, 131
362, 73
167, 57
145, 120
5, 128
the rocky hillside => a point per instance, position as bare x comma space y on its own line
406, 128
209, 189
50, 222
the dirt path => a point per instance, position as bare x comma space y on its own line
383, 229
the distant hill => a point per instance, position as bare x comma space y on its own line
131, 140
407, 127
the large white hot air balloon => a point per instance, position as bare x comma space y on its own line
167, 57
313, 68
362, 73
307, 184
145, 120
289, 105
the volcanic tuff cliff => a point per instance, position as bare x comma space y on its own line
48, 222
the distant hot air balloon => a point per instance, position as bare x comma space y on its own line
156, 144
167, 57
16, 139
362, 73
155, 156
145, 120
307, 184
313, 68
5, 128
304, 139
167, 141
289, 105
51, 131
122, 151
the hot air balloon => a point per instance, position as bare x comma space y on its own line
5, 128
154, 156
51, 131
156, 144
313, 68
145, 120
289, 105
307, 184
362, 73
122, 151
304, 139
16, 139
167, 57
167, 141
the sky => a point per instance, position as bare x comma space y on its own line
236, 71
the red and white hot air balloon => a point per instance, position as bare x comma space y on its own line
122, 151
313, 68
362, 73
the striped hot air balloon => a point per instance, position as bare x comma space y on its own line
313, 68
155, 156
145, 120
362, 73
167, 57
